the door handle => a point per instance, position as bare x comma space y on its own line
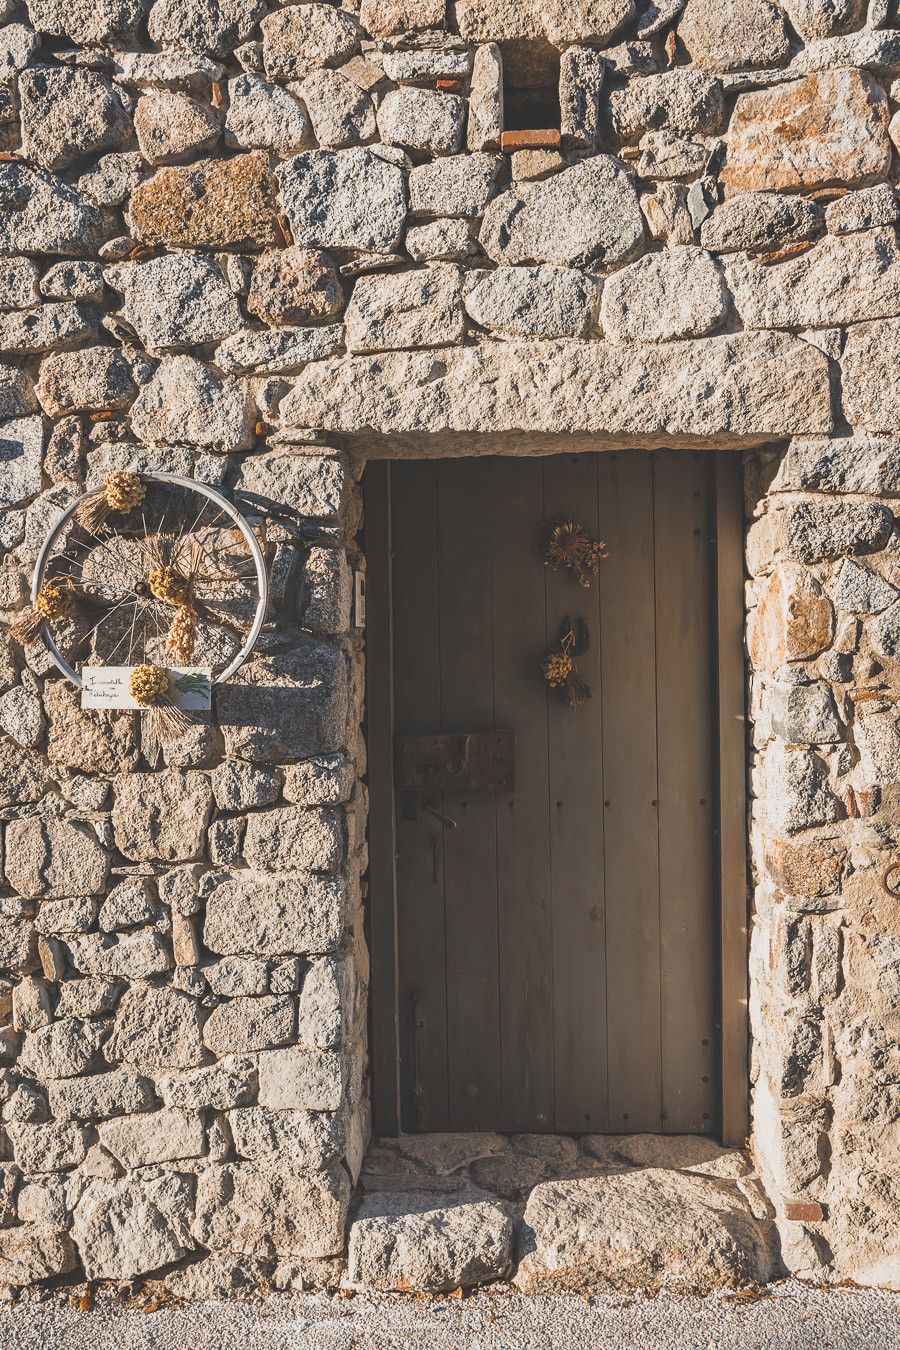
439, 815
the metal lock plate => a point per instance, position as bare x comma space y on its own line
476, 761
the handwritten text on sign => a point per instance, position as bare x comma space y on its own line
107, 687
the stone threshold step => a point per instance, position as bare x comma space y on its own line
443, 1212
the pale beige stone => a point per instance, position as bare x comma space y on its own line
643, 1229
153, 1137
390, 18
560, 21
162, 815
674, 294
172, 127
869, 384
749, 386
840, 280
429, 1249
733, 34
244, 1208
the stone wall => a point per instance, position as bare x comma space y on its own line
260, 244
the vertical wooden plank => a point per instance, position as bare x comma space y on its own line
523, 844
732, 799
420, 877
576, 826
470, 852
630, 793
380, 740
685, 721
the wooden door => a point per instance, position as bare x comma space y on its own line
554, 959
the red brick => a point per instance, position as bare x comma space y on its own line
804, 1211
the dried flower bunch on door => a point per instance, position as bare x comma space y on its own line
560, 671
569, 547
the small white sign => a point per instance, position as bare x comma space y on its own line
107, 687
359, 599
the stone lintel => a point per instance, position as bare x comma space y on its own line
738, 389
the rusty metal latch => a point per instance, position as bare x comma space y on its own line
439, 815
892, 887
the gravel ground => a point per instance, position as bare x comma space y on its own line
790, 1316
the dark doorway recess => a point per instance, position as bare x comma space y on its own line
565, 952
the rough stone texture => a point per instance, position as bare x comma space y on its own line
283, 351
485, 122
185, 403
840, 280
435, 1251
156, 1029
113, 178
189, 318
171, 127
681, 101
31, 332
815, 531
824, 18
733, 35
869, 373
244, 1024
101, 1095
793, 620
21, 448
67, 114
560, 21
51, 858
255, 913
457, 185
121, 1230
217, 204
342, 114
586, 214
18, 283
572, 387
215, 26
161, 815
536, 302
422, 119
289, 1214
263, 116
676, 294
178, 300
650, 1228
759, 222
298, 39
40, 214
85, 381
413, 309
581, 78
440, 241
300, 1079
835, 123
29, 1254
294, 285
314, 1139
343, 199
863, 210
797, 791
287, 707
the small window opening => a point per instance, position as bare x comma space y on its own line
531, 88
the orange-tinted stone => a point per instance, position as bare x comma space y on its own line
831, 127
221, 203
793, 619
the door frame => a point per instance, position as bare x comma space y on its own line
730, 767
